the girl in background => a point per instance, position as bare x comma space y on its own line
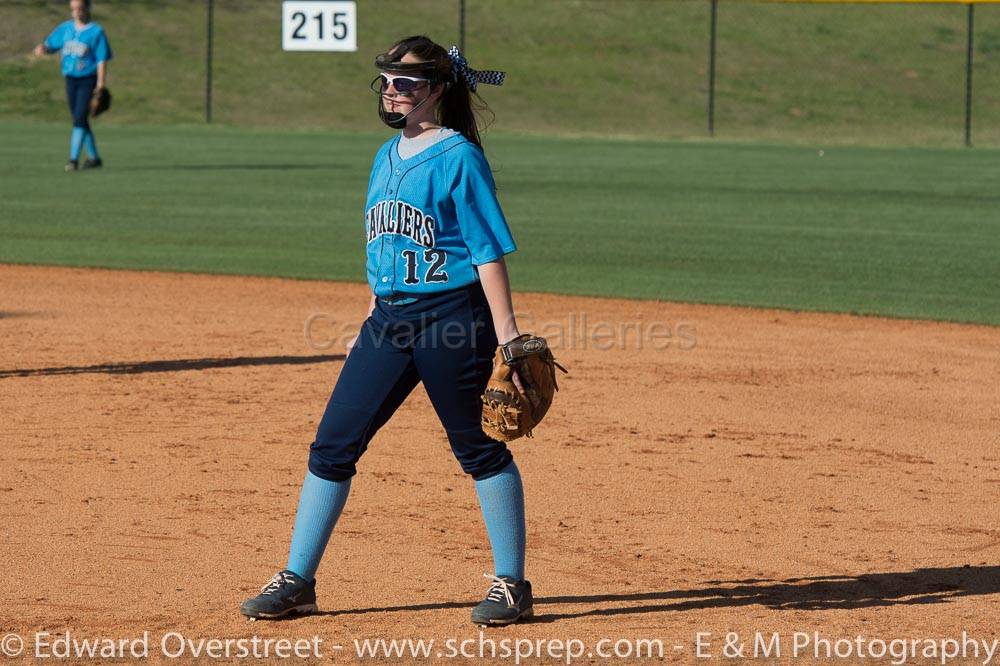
85, 52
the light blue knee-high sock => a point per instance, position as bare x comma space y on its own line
320, 505
76, 142
90, 145
501, 498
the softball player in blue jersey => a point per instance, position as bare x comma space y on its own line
436, 237
85, 52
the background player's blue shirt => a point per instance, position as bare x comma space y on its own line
432, 219
81, 49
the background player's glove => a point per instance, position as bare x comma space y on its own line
100, 101
507, 414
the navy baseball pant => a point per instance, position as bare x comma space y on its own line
446, 340
79, 90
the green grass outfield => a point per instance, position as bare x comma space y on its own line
900, 232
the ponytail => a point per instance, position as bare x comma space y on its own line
458, 110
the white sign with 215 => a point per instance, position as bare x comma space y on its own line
319, 25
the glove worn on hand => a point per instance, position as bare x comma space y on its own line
506, 414
100, 101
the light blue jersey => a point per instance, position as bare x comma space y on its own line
81, 49
432, 219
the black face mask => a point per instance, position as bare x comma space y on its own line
393, 119
397, 120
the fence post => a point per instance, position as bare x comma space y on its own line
968, 78
711, 67
208, 61
461, 25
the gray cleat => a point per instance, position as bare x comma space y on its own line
285, 593
507, 601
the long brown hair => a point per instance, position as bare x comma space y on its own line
458, 107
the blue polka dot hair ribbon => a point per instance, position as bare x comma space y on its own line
471, 76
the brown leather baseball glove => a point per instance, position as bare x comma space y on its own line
100, 101
507, 414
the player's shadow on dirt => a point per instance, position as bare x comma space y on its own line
16, 314
922, 586
176, 365
234, 167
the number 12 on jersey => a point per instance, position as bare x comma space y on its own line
433, 269
319, 25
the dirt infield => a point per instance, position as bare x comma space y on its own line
704, 469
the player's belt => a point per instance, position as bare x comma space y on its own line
403, 299
398, 299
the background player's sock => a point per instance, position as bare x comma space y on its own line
90, 145
501, 498
75, 142
320, 505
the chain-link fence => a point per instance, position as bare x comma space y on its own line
904, 72
869, 73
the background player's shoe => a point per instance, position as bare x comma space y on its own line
508, 601
285, 593
71, 165
93, 164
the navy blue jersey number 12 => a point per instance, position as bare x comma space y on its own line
435, 258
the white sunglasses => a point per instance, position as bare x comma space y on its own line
402, 84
